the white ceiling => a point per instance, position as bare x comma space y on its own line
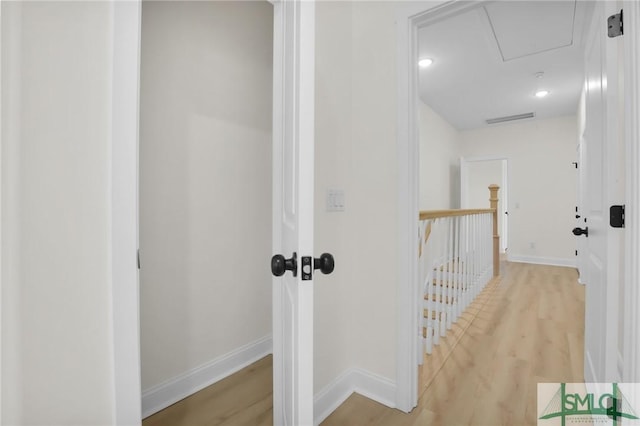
486, 59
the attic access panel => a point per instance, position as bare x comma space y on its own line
524, 28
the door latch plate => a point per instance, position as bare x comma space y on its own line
307, 268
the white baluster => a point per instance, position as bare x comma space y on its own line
424, 255
489, 245
483, 247
476, 251
449, 260
465, 261
443, 288
428, 289
470, 260
455, 266
436, 288
489, 256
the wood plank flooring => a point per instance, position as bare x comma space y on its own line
244, 398
527, 327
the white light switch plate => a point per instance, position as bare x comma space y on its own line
335, 200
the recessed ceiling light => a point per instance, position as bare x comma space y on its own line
423, 63
541, 93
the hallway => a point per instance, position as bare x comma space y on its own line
525, 328
528, 329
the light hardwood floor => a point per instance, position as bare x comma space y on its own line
244, 398
525, 328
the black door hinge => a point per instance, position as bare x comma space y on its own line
575, 164
615, 25
138, 258
576, 252
616, 216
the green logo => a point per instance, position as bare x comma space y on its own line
613, 405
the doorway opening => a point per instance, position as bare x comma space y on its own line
204, 194
476, 174
528, 249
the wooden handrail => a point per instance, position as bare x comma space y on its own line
493, 201
435, 214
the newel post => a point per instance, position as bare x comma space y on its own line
493, 200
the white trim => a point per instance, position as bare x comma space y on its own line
590, 373
409, 19
163, 395
370, 385
375, 387
1, 149
278, 105
332, 396
541, 260
407, 320
126, 27
504, 197
631, 371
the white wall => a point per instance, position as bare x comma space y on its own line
481, 174
439, 161
355, 316
205, 182
374, 213
11, 368
56, 303
333, 168
542, 184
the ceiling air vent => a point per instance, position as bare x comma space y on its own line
510, 118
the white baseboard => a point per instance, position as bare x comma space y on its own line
173, 390
365, 383
326, 401
539, 260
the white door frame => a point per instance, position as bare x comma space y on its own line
503, 194
124, 211
407, 351
126, 34
409, 20
631, 372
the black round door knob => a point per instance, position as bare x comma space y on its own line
580, 231
279, 265
325, 263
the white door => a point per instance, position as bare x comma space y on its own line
630, 311
581, 244
293, 152
593, 216
604, 179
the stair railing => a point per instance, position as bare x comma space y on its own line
459, 255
